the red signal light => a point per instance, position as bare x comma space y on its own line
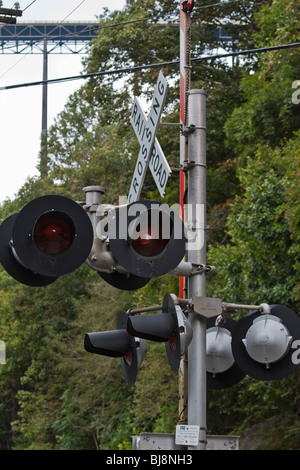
152, 241
128, 357
53, 233
190, 4
148, 244
147, 238
172, 343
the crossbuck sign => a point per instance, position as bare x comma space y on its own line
150, 153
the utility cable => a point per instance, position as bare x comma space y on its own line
138, 68
29, 5
72, 11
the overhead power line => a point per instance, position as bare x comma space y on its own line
74, 9
29, 5
138, 68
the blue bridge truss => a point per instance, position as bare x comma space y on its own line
61, 38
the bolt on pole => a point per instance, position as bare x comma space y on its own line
197, 254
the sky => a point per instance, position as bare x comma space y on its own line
21, 109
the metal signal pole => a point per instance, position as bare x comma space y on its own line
197, 254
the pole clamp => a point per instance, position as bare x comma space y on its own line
187, 130
203, 269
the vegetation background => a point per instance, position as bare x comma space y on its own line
54, 395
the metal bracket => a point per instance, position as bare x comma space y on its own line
91, 208
207, 306
187, 130
187, 166
231, 308
203, 269
213, 306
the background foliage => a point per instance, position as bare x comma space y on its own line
54, 395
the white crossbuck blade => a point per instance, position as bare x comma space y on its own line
150, 153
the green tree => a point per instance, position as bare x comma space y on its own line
268, 114
259, 262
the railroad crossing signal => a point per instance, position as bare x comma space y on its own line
53, 235
50, 236
222, 370
118, 343
133, 242
128, 341
150, 239
262, 343
170, 327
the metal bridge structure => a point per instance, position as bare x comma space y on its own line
61, 38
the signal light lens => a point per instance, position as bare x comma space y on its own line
149, 244
128, 357
53, 232
147, 238
153, 232
172, 343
